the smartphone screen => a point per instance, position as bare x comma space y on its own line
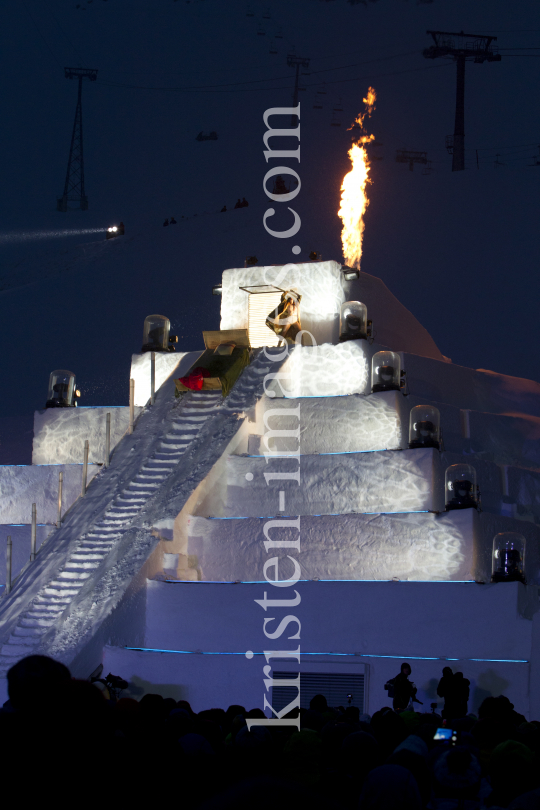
443, 734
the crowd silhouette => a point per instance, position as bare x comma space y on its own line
75, 739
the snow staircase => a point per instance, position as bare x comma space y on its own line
55, 597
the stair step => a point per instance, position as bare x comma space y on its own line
88, 556
15, 650
64, 588
45, 615
79, 565
54, 600
30, 627
111, 522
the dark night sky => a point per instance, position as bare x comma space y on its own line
460, 250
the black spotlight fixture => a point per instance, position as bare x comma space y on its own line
508, 558
353, 321
217, 289
386, 372
156, 335
425, 427
62, 391
461, 490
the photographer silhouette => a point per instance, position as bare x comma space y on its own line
401, 689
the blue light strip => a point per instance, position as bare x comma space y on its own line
340, 453
347, 655
327, 396
264, 581
325, 514
71, 464
12, 525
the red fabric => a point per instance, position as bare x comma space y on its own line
194, 381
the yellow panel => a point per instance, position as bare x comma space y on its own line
239, 337
260, 307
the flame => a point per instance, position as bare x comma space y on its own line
354, 200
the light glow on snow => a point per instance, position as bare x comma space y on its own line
25, 236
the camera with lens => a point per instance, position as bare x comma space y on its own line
116, 681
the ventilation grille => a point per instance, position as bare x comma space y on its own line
334, 686
260, 306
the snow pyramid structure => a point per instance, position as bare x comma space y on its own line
293, 516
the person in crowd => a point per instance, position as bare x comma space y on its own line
403, 690
338, 759
223, 209
390, 786
244, 203
461, 694
165, 223
238, 203
172, 221
446, 689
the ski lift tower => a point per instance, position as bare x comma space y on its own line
296, 62
74, 185
461, 47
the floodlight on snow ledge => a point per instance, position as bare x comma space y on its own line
156, 337
115, 230
386, 372
62, 392
353, 322
425, 427
461, 490
350, 273
508, 558
217, 289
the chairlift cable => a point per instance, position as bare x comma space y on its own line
216, 88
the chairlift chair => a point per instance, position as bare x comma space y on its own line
273, 48
279, 34
338, 107
249, 12
260, 31
266, 14
335, 122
